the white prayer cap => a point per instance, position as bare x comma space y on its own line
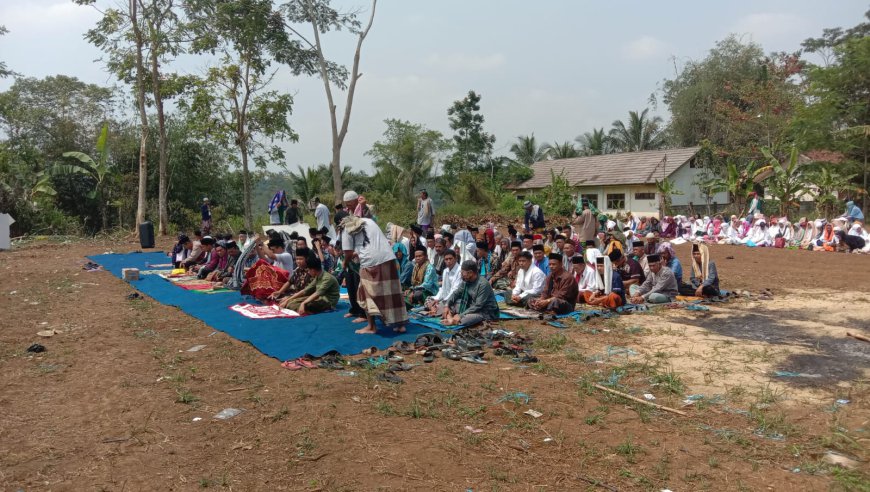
205, 199
650, 235
837, 228
350, 195
782, 220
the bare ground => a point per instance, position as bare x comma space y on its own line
111, 404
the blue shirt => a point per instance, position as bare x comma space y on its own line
677, 268
544, 265
854, 212
616, 285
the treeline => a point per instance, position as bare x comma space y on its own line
75, 159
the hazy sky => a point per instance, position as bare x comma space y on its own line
555, 68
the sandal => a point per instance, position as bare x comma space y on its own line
429, 356
428, 340
404, 348
370, 351
451, 354
292, 365
474, 359
306, 363
390, 378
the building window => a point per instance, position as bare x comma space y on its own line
591, 198
615, 201
644, 196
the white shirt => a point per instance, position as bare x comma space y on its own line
529, 283
378, 251
284, 261
451, 279
321, 213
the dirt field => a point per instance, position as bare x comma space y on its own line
115, 402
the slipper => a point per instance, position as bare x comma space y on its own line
525, 359
330, 364
401, 367
306, 363
291, 365
451, 354
429, 356
370, 351
134, 295
390, 378
474, 359
395, 358
428, 340
403, 348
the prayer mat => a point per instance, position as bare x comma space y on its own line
196, 286
263, 312
689, 298
380, 294
281, 338
263, 279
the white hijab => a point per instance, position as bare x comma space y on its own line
589, 279
605, 283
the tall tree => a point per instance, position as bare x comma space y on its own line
99, 170
472, 145
787, 183
838, 116
231, 101
737, 97
596, 142
641, 133
119, 33
323, 18
4, 70
408, 153
526, 150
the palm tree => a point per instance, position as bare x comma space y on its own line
309, 183
787, 183
642, 133
595, 143
666, 189
564, 150
526, 150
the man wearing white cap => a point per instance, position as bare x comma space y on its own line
356, 205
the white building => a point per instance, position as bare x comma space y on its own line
626, 181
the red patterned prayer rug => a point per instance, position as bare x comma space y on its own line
263, 279
263, 312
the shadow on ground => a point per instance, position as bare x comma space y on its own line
834, 359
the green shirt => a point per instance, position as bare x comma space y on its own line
326, 287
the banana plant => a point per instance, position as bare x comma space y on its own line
666, 189
99, 170
788, 181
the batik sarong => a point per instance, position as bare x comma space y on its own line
380, 294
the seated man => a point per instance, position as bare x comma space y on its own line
560, 289
321, 294
638, 254
540, 259
451, 279
630, 270
608, 291
199, 256
216, 263
300, 278
424, 280
486, 259
704, 278
569, 252
506, 276
473, 302
660, 285
223, 275
530, 281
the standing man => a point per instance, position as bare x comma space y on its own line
534, 217
294, 213
321, 214
425, 211
379, 292
754, 206
586, 222
206, 217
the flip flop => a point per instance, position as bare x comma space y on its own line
403, 347
451, 354
428, 340
369, 351
429, 356
292, 365
474, 359
401, 367
306, 363
390, 378
395, 358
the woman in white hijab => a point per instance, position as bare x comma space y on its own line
589, 280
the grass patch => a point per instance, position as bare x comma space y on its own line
420, 409
628, 449
185, 396
553, 343
386, 409
446, 375
670, 382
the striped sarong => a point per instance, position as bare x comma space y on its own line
380, 294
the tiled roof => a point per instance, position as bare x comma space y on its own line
610, 169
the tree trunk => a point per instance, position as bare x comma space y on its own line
246, 180
163, 149
140, 100
337, 184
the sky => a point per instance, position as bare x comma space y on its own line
555, 68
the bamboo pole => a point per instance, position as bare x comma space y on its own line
654, 405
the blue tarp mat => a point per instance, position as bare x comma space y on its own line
283, 338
